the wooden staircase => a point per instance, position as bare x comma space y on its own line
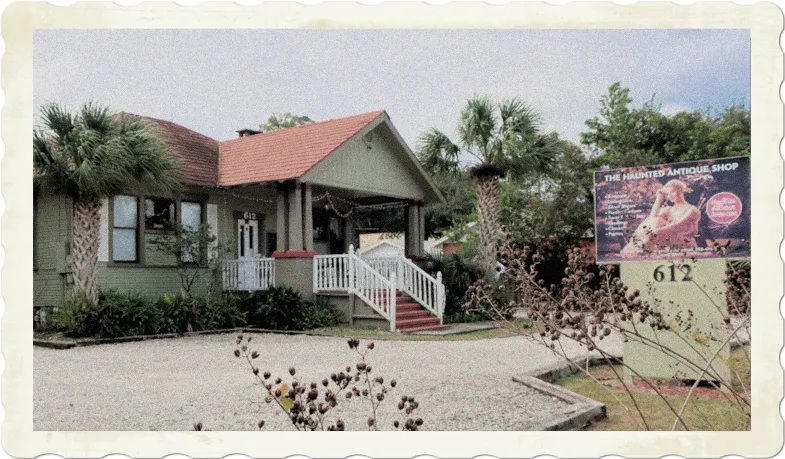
410, 316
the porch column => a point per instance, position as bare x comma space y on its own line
295, 219
281, 237
420, 230
348, 234
308, 219
412, 228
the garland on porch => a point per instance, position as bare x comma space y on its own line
330, 202
352, 205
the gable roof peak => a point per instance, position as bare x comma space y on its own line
286, 153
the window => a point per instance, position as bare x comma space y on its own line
124, 231
159, 214
191, 215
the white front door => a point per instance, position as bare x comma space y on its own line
247, 249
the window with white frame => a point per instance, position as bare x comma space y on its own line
191, 215
125, 231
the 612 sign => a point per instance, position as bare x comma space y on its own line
665, 273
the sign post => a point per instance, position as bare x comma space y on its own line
671, 228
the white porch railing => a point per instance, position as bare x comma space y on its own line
331, 273
350, 273
248, 275
411, 279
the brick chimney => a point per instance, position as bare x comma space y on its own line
247, 132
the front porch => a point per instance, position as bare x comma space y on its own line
390, 290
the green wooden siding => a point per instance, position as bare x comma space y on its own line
376, 166
149, 281
52, 227
158, 274
263, 204
153, 256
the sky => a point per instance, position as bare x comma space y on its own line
218, 81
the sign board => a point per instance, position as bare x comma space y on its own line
673, 211
663, 225
685, 293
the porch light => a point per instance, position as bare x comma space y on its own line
326, 206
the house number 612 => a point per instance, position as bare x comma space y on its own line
664, 273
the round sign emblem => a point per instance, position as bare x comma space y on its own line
724, 208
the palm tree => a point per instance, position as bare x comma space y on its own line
496, 140
91, 155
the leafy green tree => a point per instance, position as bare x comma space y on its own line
559, 203
495, 140
620, 136
94, 154
284, 120
460, 196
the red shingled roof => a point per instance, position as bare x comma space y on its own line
195, 154
285, 153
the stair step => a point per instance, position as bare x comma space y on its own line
408, 307
403, 325
417, 314
427, 327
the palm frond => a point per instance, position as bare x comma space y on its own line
58, 120
437, 153
477, 125
95, 153
534, 156
519, 120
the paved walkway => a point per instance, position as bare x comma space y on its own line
170, 384
457, 329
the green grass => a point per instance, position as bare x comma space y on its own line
700, 414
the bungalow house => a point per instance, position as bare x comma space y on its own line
282, 201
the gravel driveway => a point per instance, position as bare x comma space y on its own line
169, 384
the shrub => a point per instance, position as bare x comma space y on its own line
128, 314
282, 308
74, 318
276, 308
206, 312
309, 405
319, 314
458, 274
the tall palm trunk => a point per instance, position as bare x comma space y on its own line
488, 192
85, 234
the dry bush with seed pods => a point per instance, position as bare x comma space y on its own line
308, 404
586, 308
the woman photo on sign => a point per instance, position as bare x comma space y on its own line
666, 226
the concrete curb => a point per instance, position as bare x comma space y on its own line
580, 410
68, 344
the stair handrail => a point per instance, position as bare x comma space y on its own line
376, 290
422, 287
414, 281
